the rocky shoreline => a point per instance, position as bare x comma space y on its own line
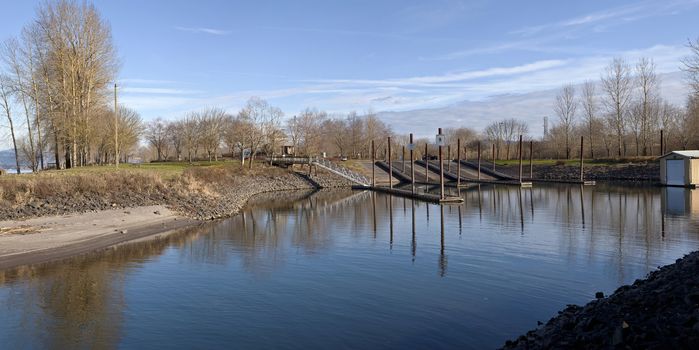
218, 200
636, 172
659, 312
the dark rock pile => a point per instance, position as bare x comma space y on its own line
659, 312
619, 172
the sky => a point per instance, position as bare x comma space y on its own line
455, 59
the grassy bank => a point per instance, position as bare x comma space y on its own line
201, 190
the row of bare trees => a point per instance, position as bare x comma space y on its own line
55, 83
623, 114
259, 128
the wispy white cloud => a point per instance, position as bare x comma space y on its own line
158, 91
620, 14
204, 30
552, 37
410, 93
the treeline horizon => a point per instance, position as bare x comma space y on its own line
58, 97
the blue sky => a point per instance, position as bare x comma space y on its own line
377, 55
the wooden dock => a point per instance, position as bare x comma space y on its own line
427, 197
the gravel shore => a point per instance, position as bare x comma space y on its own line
637, 172
659, 312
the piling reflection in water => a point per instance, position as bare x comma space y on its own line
525, 250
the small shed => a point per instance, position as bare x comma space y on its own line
680, 168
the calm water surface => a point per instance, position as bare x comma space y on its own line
342, 269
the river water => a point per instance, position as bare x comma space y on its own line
344, 269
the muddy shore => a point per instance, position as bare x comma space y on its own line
48, 228
659, 312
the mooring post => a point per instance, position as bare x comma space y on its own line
402, 157
520, 158
441, 169
390, 166
412, 163
458, 162
427, 175
662, 143
493, 157
531, 160
581, 157
479, 161
449, 158
373, 164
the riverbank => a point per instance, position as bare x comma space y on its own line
661, 311
635, 172
53, 216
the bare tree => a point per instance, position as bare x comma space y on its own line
648, 103
11, 55
175, 136
156, 135
691, 65
5, 96
617, 87
565, 108
211, 129
590, 108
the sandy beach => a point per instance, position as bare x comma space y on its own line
43, 239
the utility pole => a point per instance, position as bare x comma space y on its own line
116, 128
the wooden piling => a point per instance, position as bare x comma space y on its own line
493, 156
449, 158
520, 158
373, 164
581, 156
479, 160
390, 165
427, 159
531, 160
441, 170
412, 164
458, 162
402, 157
